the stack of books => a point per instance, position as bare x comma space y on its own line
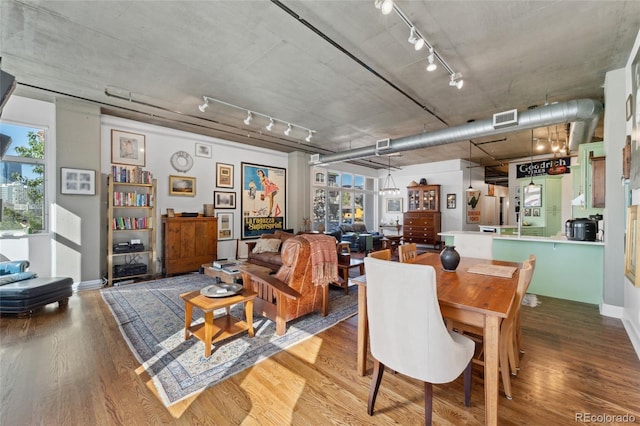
226, 266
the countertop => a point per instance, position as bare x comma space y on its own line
524, 238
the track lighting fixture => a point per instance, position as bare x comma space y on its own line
385, 6
251, 115
418, 41
431, 58
456, 81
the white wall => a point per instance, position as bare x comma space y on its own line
162, 143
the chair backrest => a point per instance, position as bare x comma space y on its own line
407, 252
479, 245
381, 254
524, 279
406, 329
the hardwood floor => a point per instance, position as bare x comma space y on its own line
72, 367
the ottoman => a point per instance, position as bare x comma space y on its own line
27, 295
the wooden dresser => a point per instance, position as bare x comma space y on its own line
188, 242
421, 221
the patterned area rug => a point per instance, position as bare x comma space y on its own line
151, 318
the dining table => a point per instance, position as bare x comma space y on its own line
482, 299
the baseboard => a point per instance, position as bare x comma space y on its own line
611, 311
88, 285
633, 333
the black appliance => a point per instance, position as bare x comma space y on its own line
129, 269
581, 229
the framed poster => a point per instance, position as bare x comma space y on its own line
224, 175
393, 205
182, 185
77, 181
474, 212
635, 122
224, 200
203, 150
631, 254
127, 148
225, 226
263, 199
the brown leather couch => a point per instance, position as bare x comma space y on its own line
290, 292
271, 260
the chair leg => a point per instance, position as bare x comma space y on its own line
506, 343
428, 403
376, 378
467, 384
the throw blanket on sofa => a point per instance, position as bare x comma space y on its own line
324, 258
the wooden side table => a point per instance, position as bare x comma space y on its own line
343, 269
216, 329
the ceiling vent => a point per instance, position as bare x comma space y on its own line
315, 158
383, 144
504, 119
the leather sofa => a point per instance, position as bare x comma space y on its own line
357, 235
268, 259
22, 291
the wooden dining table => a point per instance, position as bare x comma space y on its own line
465, 297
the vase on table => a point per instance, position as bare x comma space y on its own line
449, 258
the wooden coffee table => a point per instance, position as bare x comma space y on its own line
226, 277
216, 329
343, 269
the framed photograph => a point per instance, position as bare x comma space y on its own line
631, 255
263, 199
393, 205
536, 212
224, 175
533, 196
77, 181
451, 201
225, 226
203, 150
171, 213
629, 106
182, 185
527, 212
127, 148
224, 200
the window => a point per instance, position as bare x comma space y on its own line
347, 198
22, 179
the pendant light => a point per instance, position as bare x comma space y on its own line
531, 164
389, 186
470, 188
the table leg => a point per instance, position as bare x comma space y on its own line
491, 368
363, 331
325, 300
188, 310
248, 313
345, 277
208, 332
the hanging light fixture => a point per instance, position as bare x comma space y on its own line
389, 187
470, 188
288, 130
531, 164
204, 106
309, 136
247, 120
270, 125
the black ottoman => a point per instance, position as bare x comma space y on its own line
27, 295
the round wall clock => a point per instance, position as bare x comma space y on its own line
181, 161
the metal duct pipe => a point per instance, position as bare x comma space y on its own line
582, 113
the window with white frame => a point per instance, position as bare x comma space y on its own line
342, 198
22, 179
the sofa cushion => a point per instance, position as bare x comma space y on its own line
267, 245
284, 236
360, 228
345, 227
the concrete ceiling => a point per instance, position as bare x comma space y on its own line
340, 68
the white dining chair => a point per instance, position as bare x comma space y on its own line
407, 332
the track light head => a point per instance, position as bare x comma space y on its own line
413, 37
456, 81
385, 6
419, 44
288, 130
432, 61
270, 125
204, 106
309, 136
247, 120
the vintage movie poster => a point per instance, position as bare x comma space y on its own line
473, 206
263, 199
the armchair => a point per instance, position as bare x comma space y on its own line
360, 238
301, 285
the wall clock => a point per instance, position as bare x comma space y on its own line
181, 161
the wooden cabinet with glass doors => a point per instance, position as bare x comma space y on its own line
421, 221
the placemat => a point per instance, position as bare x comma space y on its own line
494, 270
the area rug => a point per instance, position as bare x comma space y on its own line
151, 318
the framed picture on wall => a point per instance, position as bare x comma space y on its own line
631, 254
224, 200
127, 148
203, 150
225, 226
263, 198
451, 201
393, 205
182, 185
77, 181
224, 175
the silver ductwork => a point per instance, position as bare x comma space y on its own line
583, 114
